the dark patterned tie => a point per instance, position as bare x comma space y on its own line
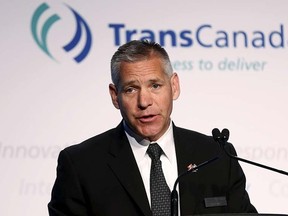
159, 190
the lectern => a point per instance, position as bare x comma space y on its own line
240, 214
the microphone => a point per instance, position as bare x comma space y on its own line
222, 138
190, 168
216, 134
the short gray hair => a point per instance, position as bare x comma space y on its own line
137, 50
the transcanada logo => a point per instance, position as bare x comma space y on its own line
205, 36
41, 38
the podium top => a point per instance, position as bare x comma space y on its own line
240, 214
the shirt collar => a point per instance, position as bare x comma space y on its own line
139, 145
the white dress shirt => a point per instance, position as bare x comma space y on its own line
169, 162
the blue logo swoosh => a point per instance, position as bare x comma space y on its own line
78, 34
82, 30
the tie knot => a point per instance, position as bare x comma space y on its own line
154, 151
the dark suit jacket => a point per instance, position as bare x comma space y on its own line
100, 177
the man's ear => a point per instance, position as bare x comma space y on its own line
175, 85
114, 95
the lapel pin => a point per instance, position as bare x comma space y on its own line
192, 167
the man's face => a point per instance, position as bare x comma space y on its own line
145, 97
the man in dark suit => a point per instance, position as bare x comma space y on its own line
109, 174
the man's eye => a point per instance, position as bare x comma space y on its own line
155, 86
129, 90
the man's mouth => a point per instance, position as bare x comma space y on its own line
147, 118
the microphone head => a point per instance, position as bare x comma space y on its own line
216, 134
225, 134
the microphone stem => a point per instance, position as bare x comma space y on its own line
174, 193
256, 164
174, 203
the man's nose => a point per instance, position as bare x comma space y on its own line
144, 99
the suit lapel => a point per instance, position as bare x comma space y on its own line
125, 168
185, 156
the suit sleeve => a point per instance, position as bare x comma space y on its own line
238, 196
67, 197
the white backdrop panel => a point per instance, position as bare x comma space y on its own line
48, 104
